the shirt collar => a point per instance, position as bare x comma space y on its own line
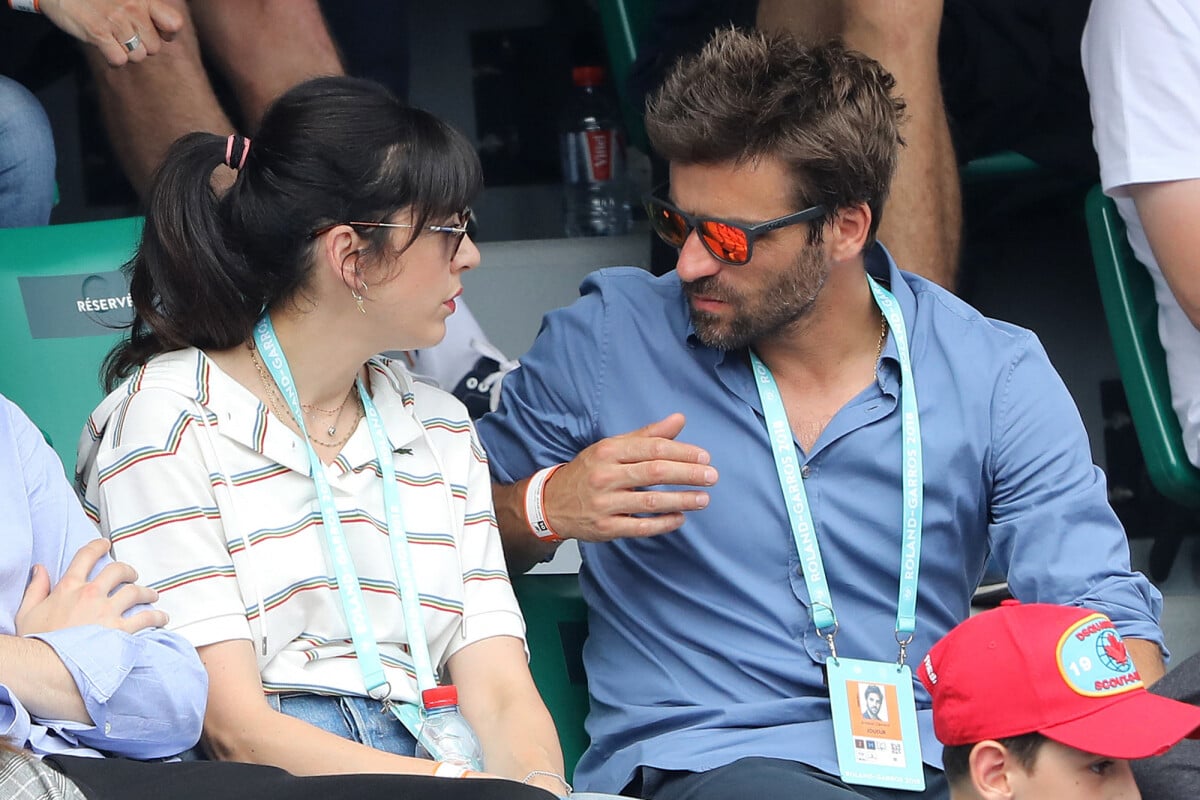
882, 267
242, 416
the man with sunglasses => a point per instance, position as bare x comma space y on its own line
877, 440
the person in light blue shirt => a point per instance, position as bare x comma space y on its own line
80, 675
635, 424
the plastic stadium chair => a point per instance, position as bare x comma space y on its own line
60, 297
1127, 292
556, 627
1128, 295
624, 23
1004, 165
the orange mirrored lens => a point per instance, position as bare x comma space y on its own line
726, 241
670, 226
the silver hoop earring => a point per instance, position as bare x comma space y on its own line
358, 298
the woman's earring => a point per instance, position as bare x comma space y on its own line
358, 298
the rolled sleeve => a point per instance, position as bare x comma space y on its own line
547, 410
145, 692
1052, 526
15, 723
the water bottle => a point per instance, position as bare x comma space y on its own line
595, 180
445, 735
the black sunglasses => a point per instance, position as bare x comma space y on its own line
729, 242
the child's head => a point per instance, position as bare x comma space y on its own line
1041, 701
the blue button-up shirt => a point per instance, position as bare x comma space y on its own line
144, 692
702, 648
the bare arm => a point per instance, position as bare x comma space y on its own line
1170, 212
1147, 658
522, 550
33, 671
498, 697
30, 667
594, 496
240, 726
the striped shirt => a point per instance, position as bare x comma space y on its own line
209, 496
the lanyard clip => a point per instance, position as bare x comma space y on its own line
832, 629
832, 647
383, 694
904, 643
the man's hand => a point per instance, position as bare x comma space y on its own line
594, 496
108, 24
77, 601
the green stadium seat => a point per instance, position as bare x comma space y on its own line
1127, 292
624, 23
998, 166
555, 628
61, 296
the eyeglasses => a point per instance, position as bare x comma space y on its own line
455, 232
729, 242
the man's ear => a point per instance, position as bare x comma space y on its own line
991, 766
846, 233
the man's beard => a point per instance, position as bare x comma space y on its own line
784, 300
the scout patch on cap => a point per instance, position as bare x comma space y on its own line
1093, 660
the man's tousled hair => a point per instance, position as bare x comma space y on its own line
825, 111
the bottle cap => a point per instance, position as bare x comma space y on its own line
587, 76
440, 696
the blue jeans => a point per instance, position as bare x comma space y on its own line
356, 718
26, 158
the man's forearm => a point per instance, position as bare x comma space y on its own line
522, 550
36, 676
1147, 659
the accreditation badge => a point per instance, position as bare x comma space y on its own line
875, 724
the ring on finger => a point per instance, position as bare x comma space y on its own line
132, 43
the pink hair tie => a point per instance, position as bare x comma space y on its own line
244, 151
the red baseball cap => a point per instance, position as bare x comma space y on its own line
1059, 671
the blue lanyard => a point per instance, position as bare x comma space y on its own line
357, 618
804, 531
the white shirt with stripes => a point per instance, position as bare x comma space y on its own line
209, 496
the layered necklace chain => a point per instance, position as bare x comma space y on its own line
279, 407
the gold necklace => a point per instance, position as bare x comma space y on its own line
335, 412
358, 414
883, 329
280, 410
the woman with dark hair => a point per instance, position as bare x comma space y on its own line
316, 523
